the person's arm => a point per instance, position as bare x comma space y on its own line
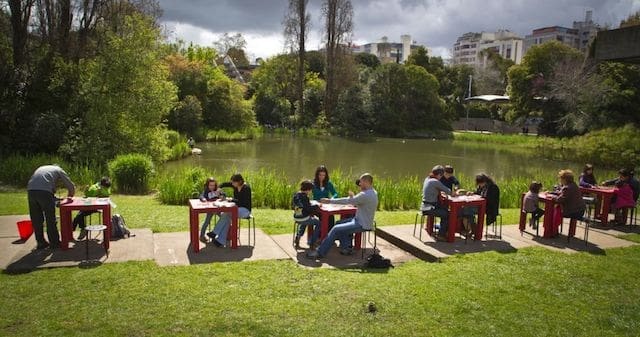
440, 186
332, 190
350, 200
227, 184
71, 188
583, 183
610, 182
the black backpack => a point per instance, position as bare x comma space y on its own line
118, 227
376, 260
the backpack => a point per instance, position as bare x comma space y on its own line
376, 260
118, 227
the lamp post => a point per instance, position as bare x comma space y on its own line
468, 96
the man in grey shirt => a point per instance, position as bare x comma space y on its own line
431, 205
367, 203
42, 202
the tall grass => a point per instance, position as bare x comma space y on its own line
176, 188
16, 170
496, 138
227, 136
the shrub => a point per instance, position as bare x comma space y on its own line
16, 170
178, 187
131, 173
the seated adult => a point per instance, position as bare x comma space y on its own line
367, 203
569, 196
449, 179
431, 205
489, 190
242, 198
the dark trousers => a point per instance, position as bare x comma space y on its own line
42, 205
537, 214
79, 220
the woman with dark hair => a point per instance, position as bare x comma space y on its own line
242, 198
487, 189
211, 192
587, 179
322, 186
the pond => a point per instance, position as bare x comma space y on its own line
298, 156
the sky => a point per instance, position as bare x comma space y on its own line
435, 24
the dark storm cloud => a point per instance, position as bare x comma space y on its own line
435, 23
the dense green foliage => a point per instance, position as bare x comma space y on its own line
131, 173
16, 170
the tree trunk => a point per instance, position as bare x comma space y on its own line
302, 11
20, 15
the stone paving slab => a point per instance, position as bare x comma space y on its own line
428, 249
174, 249
138, 247
335, 260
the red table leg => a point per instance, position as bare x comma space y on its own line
324, 225
606, 208
234, 228
523, 216
549, 212
106, 220
429, 225
479, 226
66, 231
193, 230
453, 223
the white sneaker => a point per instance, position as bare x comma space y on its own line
82, 235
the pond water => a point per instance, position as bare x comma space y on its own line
298, 156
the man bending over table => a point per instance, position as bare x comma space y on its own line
367, 202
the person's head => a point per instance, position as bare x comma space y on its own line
566, 177
448, 171
306, 186
624, 174
437, 171
482, 180
211, 184
365, 182
535, 187
322, 176
105, 182
237, 180
588, 169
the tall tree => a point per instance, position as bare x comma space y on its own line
20, 18
295, 30
338, 16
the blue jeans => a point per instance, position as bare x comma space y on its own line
205, 224
443, 214
315, 223
341, 231
222, 227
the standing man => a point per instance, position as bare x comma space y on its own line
42, 202
367, 203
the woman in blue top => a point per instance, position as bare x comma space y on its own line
323, 188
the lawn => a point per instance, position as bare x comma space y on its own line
533, 292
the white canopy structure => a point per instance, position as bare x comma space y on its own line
488, 98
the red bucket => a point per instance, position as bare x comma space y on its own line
25, 229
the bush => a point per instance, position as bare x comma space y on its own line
131, 173
179, 187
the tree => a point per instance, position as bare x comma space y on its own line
529, 84
338, 16
232, 46
419, 57
20, 18
631, 20
186, 116
367, 60
295, 30
274, 90
123, 96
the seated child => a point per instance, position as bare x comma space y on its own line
448, 179
531, 203
304, 213
101, 189
211, 192
623, 195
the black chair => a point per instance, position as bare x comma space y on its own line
495, 227
250, 221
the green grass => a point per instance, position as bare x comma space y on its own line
497, 138
534, 292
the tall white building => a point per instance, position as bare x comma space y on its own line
468, 47
389, 51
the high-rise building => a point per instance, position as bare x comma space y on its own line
468, 48
389, 51
579, 37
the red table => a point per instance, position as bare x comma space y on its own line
552, 215
83, 204
327, 210
603, 207
455, 206
196, 207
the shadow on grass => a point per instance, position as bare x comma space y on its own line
355, 262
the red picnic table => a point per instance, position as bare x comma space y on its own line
455, 205
603, 202
552, 215
196, 206
345, 211
83, 204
